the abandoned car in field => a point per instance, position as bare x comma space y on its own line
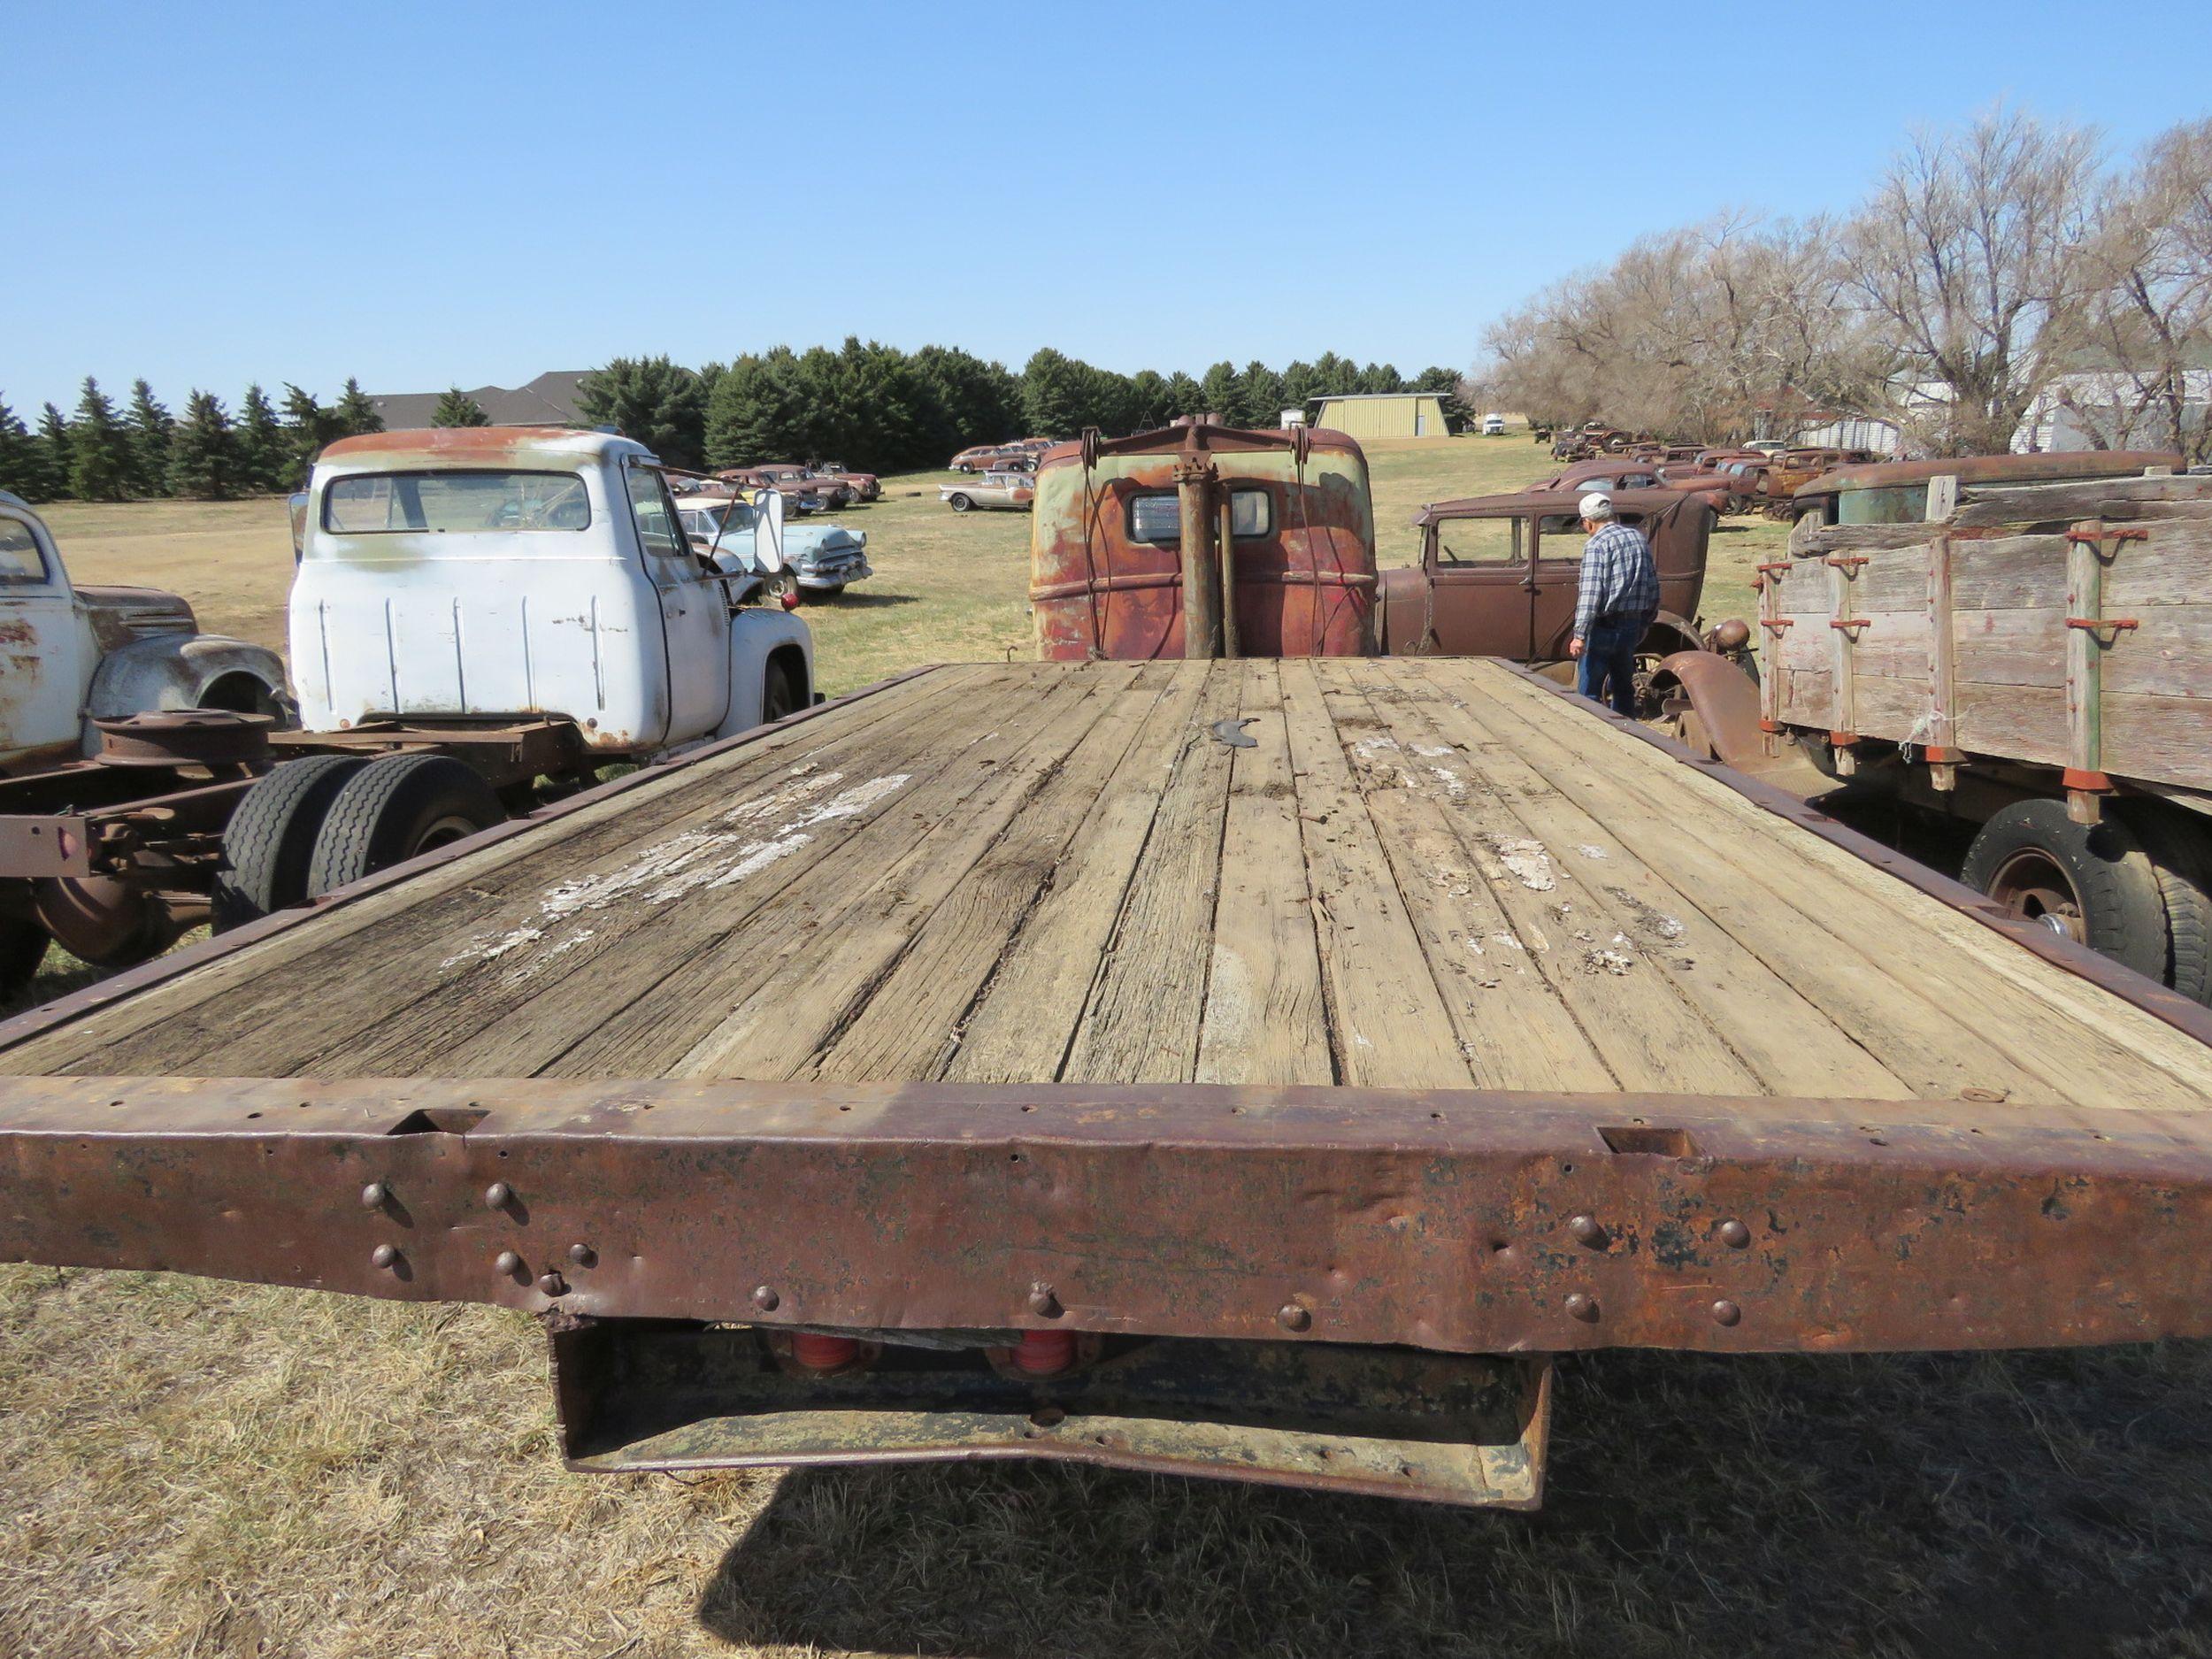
996, 491
820, 559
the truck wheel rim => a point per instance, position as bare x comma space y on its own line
2033, 885
444, 831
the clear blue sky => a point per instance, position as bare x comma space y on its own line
426, 195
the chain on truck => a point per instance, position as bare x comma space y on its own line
481, 620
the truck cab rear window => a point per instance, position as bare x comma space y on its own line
392, 503
1159, 517
20, 563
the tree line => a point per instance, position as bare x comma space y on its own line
1996, 274
883, 409
142, 451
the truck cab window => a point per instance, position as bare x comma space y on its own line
654, 512
1158, 517
21, 564
1479, 541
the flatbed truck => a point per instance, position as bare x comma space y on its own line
1257, 1068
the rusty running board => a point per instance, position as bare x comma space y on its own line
1455, 1221
640, 1395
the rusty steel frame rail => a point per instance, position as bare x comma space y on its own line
1456, 1220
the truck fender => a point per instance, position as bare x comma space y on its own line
758, 634
199, 671
1722, 700
1667, 635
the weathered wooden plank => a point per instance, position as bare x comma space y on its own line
2112, 498
2022, 722
2167, 739
253, 1007
2010, 647
1498, 965
2168, 653
972, 869
2172, 568
909, 1020
756, 1000
1142, 1022
1859, 537
1896, 970
1893, 580
1627, 924
1266, 1018
2014, 572
1389, 1024
1024, 1018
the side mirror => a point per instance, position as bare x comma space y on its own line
768, 529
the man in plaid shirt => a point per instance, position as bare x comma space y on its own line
1614, 606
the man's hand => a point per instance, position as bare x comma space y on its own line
1574, 648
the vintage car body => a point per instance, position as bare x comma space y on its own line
1499, 574
1718, 486
72, 655
865, 486
1605, 473
472, 573
996, 491
796, 500
788, 476
1113, 565
1793, 469
976, 457
822, 558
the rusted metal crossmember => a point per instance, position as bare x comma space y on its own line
1455, 1221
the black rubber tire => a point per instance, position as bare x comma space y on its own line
269, 844
959, 503
2123, 912
779, 697
22, 947
395, 809
2180, 848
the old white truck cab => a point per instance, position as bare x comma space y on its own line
491, 573
72, 655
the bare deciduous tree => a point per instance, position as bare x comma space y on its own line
1973, 256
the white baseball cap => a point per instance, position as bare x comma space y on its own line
1596, 504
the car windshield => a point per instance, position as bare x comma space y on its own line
388, 504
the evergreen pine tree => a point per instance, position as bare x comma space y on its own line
356, 412
455, 408
1182, 398
1300, 387
264, 454
1147, 400
150, 425
22, 467
1056, 395
1222, 391
755, 412
308, 425
99, 448
652, 400
53, 456
203, 452
1264, 399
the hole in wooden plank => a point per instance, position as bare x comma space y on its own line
1649, 1140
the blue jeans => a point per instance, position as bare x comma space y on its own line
1609, 662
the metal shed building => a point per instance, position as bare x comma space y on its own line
1385, 415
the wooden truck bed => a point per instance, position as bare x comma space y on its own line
1446, 1016
1426, 875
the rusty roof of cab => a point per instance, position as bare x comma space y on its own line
462, 447
1983, 469
1547, 500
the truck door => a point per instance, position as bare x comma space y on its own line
42, 665
694, 610
1479, 588
1555, 582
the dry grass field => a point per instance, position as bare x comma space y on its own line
194, 1468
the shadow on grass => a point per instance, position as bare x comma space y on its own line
2045, 1503
869, 601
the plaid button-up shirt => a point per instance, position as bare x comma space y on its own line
1618, 578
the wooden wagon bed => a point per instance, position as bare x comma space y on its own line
1417, 875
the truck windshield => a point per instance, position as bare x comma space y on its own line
1159, 517
383, 503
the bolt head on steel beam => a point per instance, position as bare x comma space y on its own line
1583, 1308
1586, 1230
383, 1255
582, 1254
765, 1299
498, 1195
373, 1194
553, 1285
1043, 1302
1726, 1313
507, 1264
1291, 1317
1734, 1234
